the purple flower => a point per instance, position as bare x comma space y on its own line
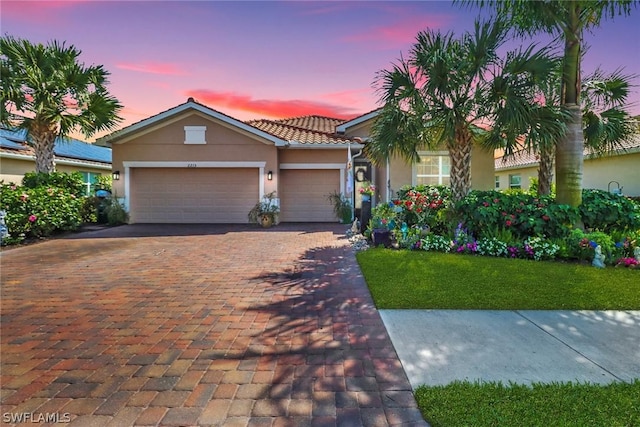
593, 244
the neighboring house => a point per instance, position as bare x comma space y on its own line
618, 170
193, 164
17, 157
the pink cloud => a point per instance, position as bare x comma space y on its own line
38, 11
348, 97
276, 108
402, 32
165, 68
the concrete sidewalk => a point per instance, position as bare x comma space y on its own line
440, 346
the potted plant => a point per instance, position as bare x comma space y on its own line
367, 190
266, 211
341, 207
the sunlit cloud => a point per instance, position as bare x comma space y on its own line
38, 11
276, 108
165, 68
400, 33
348, 97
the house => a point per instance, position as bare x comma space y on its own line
616, 171
17, 157
194, 164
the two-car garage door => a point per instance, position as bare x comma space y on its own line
203, 195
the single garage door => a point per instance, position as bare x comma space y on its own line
303, 194
176, 195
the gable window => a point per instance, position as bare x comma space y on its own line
497, 182
89, 179
195, 134
515, 181
433, 169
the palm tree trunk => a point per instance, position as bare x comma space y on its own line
460, 155
43, 138
569, 158
545, 169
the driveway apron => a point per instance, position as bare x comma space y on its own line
196, 325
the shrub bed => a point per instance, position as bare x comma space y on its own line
45, 204
513, 224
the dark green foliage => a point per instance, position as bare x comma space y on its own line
559, 404
41, 210
70, 182
522, 214
604, 211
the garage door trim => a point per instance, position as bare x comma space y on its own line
188, 164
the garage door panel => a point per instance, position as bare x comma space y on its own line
303, 194
176, 195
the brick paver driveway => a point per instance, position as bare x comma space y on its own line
197, 325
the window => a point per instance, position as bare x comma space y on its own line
195, 134
497, 182
89, 179
515, 181
433, 169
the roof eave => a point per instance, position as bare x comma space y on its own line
126, 133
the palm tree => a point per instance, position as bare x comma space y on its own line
449, 90
48, 93
567, 20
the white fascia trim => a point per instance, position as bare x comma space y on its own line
184, 107
321, 146
313, 166
57, 161
189, 165
192, 164
343, 127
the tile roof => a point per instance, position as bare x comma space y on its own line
72, 149
304, 130
524, 158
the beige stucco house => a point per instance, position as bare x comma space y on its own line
618, 170
193, 164
17, 157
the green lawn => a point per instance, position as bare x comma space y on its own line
433, 280
491, 404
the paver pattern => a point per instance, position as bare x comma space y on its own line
197, 325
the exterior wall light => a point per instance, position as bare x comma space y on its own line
115, 175
270, 175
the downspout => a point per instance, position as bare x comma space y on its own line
388, 178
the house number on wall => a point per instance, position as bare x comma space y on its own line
192, 165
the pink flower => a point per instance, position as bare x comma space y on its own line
485, 204
508, 223
33, 218
24, 197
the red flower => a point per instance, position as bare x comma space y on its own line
508, 223
485, 204
495, 200
545, 217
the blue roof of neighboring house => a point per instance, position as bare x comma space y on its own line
70, 148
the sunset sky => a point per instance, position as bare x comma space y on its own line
264, 59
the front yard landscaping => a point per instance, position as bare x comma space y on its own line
509, 251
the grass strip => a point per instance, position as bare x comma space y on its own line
559, 404
433, 280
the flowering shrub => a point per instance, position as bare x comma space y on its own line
522, 214
539, 248
41, 210
491, 246
435, 242
627, 262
